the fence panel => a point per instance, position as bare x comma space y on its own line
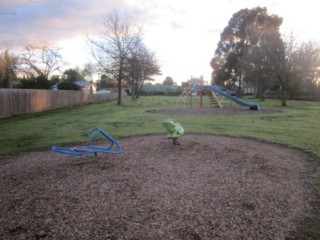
20, 101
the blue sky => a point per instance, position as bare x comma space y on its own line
183, 33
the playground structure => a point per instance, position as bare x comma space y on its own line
112, 148
216, 95
174, 130
252, 106
197, 85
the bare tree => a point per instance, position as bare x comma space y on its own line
282, 55
121, 36
40, 59
88, 71
140, 66
307, 71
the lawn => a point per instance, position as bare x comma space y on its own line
296, 125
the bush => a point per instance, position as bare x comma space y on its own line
40, 82
68, 85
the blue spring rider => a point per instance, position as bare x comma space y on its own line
113, 148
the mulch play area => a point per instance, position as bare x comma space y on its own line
209, 187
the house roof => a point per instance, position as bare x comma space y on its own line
83, 84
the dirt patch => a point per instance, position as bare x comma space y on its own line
209, 187
213, 111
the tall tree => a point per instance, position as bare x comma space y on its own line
121, 37
292, 66
88, 71
168, 81
235, 43
282, 56
307, 71
140, 66
257, 61
40, 59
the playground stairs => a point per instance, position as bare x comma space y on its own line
186, 92
214, 100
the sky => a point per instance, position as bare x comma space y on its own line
183, 33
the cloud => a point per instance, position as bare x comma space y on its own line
183, 33
51, 19
177, 25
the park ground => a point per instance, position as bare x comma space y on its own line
209, 187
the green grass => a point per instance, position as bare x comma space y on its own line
295, 126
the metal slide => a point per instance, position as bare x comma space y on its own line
252, 106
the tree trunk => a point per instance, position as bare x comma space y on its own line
261, 93
132, 89
119, 92
283, 88
136, 91
120, 76
283, 97
255, 89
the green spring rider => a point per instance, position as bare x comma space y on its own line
174, 130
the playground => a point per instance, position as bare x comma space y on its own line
209, 187
206, 185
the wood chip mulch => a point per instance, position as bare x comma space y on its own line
208, 187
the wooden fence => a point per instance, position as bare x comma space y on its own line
20, 101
